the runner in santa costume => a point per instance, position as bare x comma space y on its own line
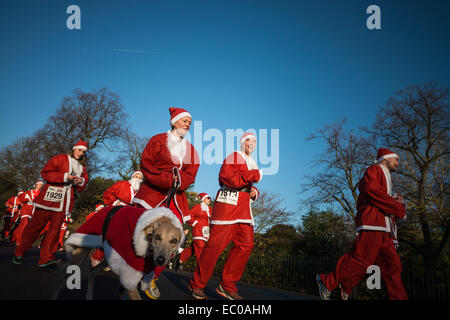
26, 213
167, 157
64, 174
232, 221
98, 207
200, 219
125, 244
377, 212
64, 233
13, 206
122, 193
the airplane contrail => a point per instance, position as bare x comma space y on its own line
135, 51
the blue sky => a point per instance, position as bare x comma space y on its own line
293, 66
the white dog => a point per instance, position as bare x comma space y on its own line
136, 240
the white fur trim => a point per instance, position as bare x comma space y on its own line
247, 137
200, 238
224, 222
249, 161
128, 276
140, 242
387, 156
179, 116
142, 203
80, 147
82, 240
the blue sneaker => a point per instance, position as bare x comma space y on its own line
47, 264
17, 260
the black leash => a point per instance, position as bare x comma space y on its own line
108, 218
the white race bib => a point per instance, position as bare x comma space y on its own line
228, 196
54, 194
205, 231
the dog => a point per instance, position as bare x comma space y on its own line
136, 241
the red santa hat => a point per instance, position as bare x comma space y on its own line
245, 136
39, 182
99, 207
178, 113
137, 172
384, 153
203, 196
80, 145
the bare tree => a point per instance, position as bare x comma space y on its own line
129, 159
341, 166
97, 117
415, 123
268, 211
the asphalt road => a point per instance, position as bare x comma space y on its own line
28, 282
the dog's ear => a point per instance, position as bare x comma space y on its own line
148, 231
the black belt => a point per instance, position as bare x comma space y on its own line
245, 189
108, 218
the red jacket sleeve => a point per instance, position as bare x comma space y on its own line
53, 171
235, 175
194, 213
189, 170
155, 176
378, 197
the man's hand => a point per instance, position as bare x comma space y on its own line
398, 198
253, 194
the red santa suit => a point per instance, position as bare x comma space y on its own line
98, 207
120, 193
12, 208
54, 203
376, 232
200, 219
25, 214
232, 220
125, 245
162, 153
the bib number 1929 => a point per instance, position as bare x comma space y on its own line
54, 194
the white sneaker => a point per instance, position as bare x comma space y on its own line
324, 293
344, 295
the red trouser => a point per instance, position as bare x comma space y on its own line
6, 226
369, 248
18, 232
196, 246
49, 244
242, 237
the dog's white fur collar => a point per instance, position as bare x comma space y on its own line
140, 242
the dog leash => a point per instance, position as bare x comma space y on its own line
108, 218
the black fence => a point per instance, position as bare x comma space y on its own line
296, 273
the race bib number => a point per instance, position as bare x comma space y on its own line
205, 231
227, 196
54, 194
